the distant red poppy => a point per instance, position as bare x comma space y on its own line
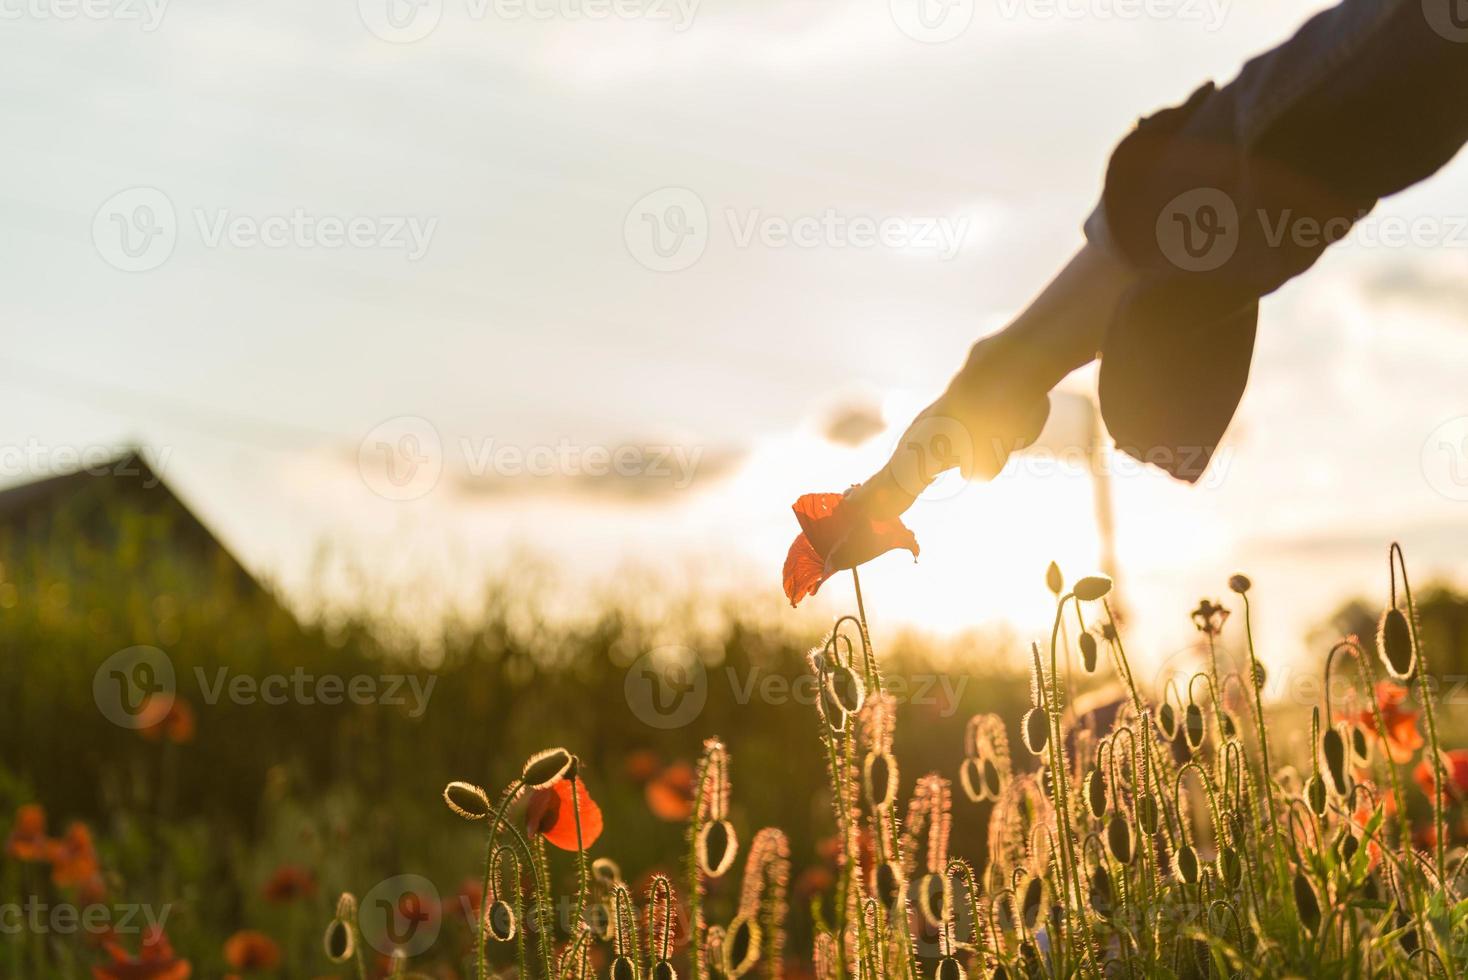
642, 765
177, 724
155, 961
74, 858
1402, 737
834, 537
670, 795
550, 813
289, 882
1455, 764
250, 950
27, 840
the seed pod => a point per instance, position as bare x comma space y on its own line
741, 947
717, 845
340, 941
546, 768
1315, 795
623, 969
1036, 731
1193, 729
467, 800
1187, 865
1167, 721
971, 779
1119, 839
1095, 792
1054, 581
1333, 748
1091, 588
663, 970
499, 920
1147, 813
934, 899
1230, 867
888, 884
949, 969
1088, 652
1032, 900
1394, 641
1101, 891
879, 778
1306, 903
847, 689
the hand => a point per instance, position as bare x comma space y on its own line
998, 402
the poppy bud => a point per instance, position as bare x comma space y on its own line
1091, 588
1346, 846
663, 970
887, 884
1101, 891
606, 871
1360, 747
948, 967
1147, 813
1095, 792
1239, 583
717, 845
991, 780
879, 778
934, 899
1333, 748
340, 941
546, 768
847, 689
1193, 725
1227, 723
1088, 652
1167, 721
622, 969
741, 947
971, 779
1036, 730
1119, 839
1394, 640
599, 920
1053, 579
1230, 867
1187, 865
499, 920
1315, 795
1306, 903
1032, 900
1408, 938
467, 800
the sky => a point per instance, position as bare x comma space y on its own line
610, 284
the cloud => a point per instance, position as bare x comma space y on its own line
630, 472
853, 424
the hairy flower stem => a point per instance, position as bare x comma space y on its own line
511, 792
1395, 560
697, 953
1060, 780
1256, 674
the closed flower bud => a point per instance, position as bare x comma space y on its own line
1095, 792
1091, 588
546, 768
717, 845
499, 919
1315, 795
1239, 583
1088, 652
1054, 581
467, 800
1193, 729
1394, 640
1119, 839
1036, 730
1306, 903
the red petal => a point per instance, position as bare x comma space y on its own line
819, 521
867, 540
805, 570
562, 829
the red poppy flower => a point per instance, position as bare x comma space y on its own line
550, 813
73, 858
289, 882
177, 724
155, 961
250, 950
1455, 764
670, 795
27, 840
1402, 737
835, 536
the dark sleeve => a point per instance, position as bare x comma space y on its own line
1225, 198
